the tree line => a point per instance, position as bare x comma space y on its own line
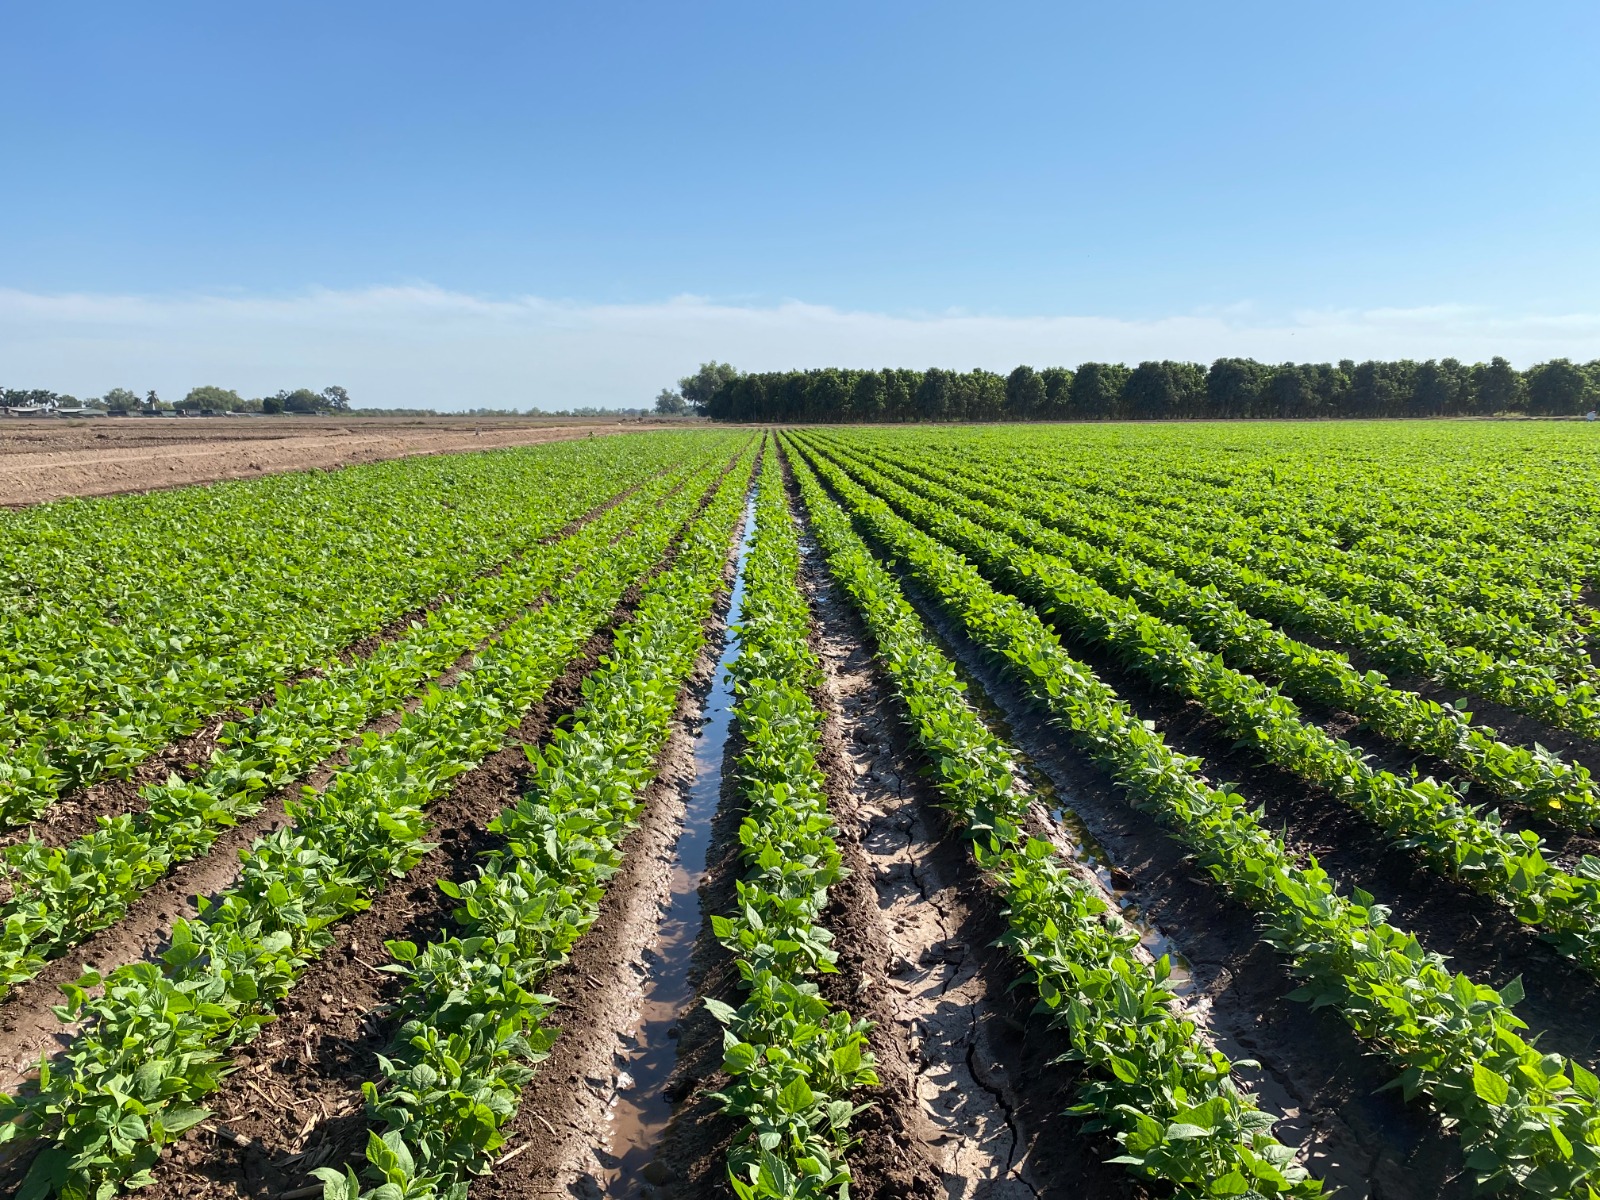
1228, 388
204, 399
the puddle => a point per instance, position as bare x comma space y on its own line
641, 1111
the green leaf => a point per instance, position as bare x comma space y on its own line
739, 1058
1490, 1087
796, 1096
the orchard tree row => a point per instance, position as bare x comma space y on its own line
1230, 387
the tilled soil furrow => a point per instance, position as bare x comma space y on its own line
691, 1158
28, 1027
557, 1143
968, 1086
1314, 1070
295, 1101
114, 459
454, 818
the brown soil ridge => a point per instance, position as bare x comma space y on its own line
43, 460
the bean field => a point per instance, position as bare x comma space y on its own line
976, 812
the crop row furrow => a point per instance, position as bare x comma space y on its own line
1526, 1118
1417, 812
60, 895
155, 1037
472, 1022
106, 692
1520, 686
1477, 547
1167, 1096
793, 1060
1532, 777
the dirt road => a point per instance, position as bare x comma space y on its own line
45, 459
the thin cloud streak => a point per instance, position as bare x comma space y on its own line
427, 346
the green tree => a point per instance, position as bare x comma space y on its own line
212, 399
335, 399
1057, 393
1497, 387
699, 388
1025, 395
272, 405
1157, 390
1233, 387
867, 397
670, 404
1096, 391
1558, 388
121, 400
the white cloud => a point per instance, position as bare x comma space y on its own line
423, 345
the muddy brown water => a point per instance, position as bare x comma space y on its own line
643, 1106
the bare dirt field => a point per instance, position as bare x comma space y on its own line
47, 459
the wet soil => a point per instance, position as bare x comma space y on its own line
310, 1064
560, 1142
44, 459
1313, 1069
650, 1085
971, 1105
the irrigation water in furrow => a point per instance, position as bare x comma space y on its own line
643, 1108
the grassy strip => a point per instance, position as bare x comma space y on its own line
1527, 1118
155, 1039
1169, 1098
63, 894
1534, 778
472, 1023
1418, 813
793, 1060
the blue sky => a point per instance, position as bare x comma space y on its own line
527, 201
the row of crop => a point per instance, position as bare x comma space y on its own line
114, 687
1526, 1118
57, 896
1535, 778
1404, 571
472, 1023
154, 1039
1466, 601
1463, 523
1386, 640
793, 1060
1419, 813
122, 588
1168, 1097
1509, 621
